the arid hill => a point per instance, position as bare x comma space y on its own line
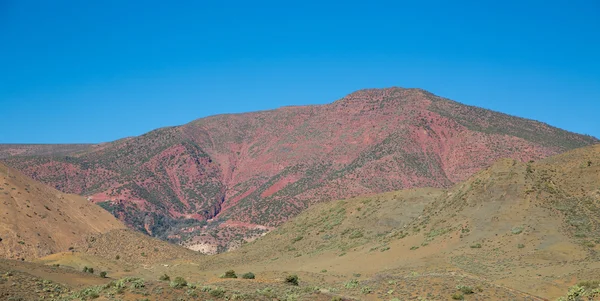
36, 220
530, 229
220, 179
514, 231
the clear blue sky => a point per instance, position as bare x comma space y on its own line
93, 71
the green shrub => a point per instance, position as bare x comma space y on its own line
191, 293
102, 274
178, 282
467, 290
366, 290
248, 275
229, 274
520, 246
164, 277
137, 282
458, 296
292, 279
351, 284
217, 292
585, 290
476, 246
88, 270
517, 230
93, 295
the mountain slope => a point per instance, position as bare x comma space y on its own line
9, 150
246, 173
531, 228
513, 231
36, 220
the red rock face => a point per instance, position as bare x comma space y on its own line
262, 168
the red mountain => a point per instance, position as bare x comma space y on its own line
254, 170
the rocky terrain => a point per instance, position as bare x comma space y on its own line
217, 181
513, 231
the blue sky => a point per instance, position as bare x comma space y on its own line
94, 71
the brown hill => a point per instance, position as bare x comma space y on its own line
36, 220
531, 229
132, 247
514, 231
247, 173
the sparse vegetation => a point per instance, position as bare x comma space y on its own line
467, 290
88, 270
584, 290
217, 292
102, 274
178, 282
517, 230
229, 274
439, 214
351, 284
292, 279
248, 275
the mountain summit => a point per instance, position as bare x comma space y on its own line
231, 175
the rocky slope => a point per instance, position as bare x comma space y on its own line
531, 228
36, 220
513, 231
247, 173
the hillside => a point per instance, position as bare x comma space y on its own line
217, 180
11, 150
36, 220
514, 231
529, 229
